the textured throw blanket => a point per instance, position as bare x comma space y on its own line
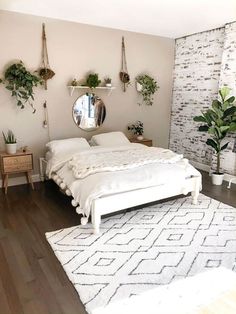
87, 163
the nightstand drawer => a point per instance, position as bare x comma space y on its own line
17, 163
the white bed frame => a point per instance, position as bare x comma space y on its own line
116, 202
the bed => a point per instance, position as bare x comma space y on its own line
115, 174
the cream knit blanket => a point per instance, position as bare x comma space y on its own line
91, 162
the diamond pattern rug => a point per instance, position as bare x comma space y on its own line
142, 249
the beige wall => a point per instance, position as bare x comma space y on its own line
74, 49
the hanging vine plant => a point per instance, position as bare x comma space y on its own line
20, 82
147, 87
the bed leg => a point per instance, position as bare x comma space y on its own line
195, 193
96, 220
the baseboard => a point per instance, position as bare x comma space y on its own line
21, 180
207, 168
200, 166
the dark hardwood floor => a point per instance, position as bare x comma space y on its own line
32, 280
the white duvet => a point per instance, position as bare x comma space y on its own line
97, 184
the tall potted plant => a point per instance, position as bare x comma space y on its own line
218, 121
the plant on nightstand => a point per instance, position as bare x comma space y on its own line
10, 142
137, 129
218, 121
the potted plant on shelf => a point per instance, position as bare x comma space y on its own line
10, 142
218, 121
20, 82
147, 87
107, 81
93, 80
137, 129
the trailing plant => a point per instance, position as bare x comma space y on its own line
136, 128
20, 82
218, 121
9, 138
148, 88
93, 80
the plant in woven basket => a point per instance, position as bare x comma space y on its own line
45, 72
148, 87
93, 80
21, 82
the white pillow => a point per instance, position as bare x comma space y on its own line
70, 145
110, 139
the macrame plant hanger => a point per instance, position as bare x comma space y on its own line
124, 76
45, 71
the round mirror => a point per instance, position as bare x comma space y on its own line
89, 112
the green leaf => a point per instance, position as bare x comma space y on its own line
199, 119
224, 128
232, 127
231, 99
203, 128
224, 92
230, 111
213, 144
216, 104
224, 146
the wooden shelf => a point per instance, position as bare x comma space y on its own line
72, 88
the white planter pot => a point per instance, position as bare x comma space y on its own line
108, 85
138, 87
11, 149
217, 179
140, 137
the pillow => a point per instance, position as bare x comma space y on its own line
110, 139
70, 145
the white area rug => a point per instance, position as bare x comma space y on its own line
146, 248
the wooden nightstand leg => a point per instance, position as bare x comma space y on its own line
6, 182
29, 179
3, 180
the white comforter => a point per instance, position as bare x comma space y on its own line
100, 184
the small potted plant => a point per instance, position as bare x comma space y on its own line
218, 121
107, 81
93, 80
147, 87
10, 142
137, 129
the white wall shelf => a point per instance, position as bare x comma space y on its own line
72, 88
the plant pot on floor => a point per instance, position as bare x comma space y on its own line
217, 178
11, 148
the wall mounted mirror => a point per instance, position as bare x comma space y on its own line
89, 112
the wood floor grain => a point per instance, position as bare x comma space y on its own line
32, 281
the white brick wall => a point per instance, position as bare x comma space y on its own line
197, 73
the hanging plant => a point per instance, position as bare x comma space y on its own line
45, 72
20, 82
124, 76
147, 87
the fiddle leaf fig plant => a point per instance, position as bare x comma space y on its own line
148, 88
21, 82
218, 121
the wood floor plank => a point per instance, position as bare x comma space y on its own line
32, 281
